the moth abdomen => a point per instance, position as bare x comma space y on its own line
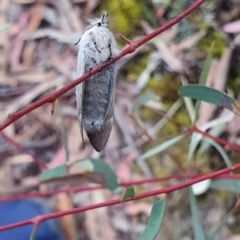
92, 126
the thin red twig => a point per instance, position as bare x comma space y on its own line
90, 188
23, 150
123, 184
165, 190
218, 140
131, 48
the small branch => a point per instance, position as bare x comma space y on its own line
126, 40
165, 190
91, 188
123, 184
218, 140
131, 48
23, 150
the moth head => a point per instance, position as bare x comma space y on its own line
100, 22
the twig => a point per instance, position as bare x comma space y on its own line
23, 150
218, 140
165, 190
123, 184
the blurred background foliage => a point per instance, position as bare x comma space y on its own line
38, 56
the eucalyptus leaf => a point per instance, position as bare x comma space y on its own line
154, 221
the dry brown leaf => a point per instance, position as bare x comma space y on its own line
36, 15
98, 223
20, 159
24, 1
29, 96
27, 54
36, 77
63, 203
57, 35
129, 131
216, 79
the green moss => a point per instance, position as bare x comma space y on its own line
133, 69
167, 87
125, 15
156, 166
169, 128
147, 114
212, 36
182, 118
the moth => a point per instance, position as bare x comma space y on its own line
96, 96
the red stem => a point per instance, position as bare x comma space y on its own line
23, 150
123, 184
131, 48
218, 140
165, 190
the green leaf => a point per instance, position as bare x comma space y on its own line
103, 168
197, 228
220, 150
226, 184
129, 193
211, 95
89, 169
143, 99
220, 226
206, 68
148, 14
56, 172
33, 234
195, 139
161, 147
154, 221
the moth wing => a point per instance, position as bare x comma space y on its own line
112, 88
79, 90
100, 139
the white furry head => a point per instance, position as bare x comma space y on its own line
102, 21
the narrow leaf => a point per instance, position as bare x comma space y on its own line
143, 99
161, 147
154, 221
33, 234
197, 228
195, 139
129, 193
206, 68
220, 150
211, 95
226, 184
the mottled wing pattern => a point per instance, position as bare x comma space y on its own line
100, 139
